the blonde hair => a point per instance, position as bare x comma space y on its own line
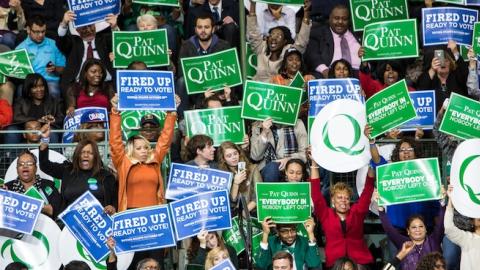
130, 147
147, 18
341, 187
211, 255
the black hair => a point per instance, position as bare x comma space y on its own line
283, 67
38, 20
204, 16
299, 162
412, 218
287, 35
86, 66
340, 263
30, 82
77, 265
16, 266
413, 143
135, 63
396, 65
27, 152
331, 70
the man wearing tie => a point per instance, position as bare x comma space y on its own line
332, 42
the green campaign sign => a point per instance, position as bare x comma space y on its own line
263, 100
462, 118
212, 71
173, 3
284, 202
15, 64
475, 39
365, 12
390, 108
458, 2
251, 62
283, 2
298, 82
233, 237
150, 47
390, 40
221, 124
408, 181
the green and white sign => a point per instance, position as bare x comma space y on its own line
408, 181
475, 40
464, 176
390, 108
251, 62
173, 3
298, 82
233, 237
212, 71
462, 117
365, 12
150, 47
284, 202
458, 2
283, 2
15, 64
221, 124
390, 40
263, 100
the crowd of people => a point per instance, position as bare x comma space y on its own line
73, 69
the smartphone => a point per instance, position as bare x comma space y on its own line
241, 166
49, 64
440, 54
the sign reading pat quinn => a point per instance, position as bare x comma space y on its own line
263, 100
442, 24
143, 229
408, 181
365, 12
91, 11
212, 71
145, 90
209, 211
19, 212
284, 202
150, 47
187, 180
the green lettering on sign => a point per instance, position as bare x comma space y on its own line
15, 64
389, 108
263, 100
221, 124
408, 181
212, 71
390, 40
462, 118
251, 62
150, 47
365, 12
284, 202
173, 3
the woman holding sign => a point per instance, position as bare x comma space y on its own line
343, 223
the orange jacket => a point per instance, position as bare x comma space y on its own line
123, 164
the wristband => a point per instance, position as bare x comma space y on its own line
45, 140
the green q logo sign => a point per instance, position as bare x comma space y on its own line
8, 245
357, 136
87, 257
474, 197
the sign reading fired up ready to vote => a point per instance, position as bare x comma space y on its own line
91, 11
365, 12
150, 47
389, 108
263, 100
212, 71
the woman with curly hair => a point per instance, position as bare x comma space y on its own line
340, 69
432, 261
229, 156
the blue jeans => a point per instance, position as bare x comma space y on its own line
8, 39
451, 253
271, 173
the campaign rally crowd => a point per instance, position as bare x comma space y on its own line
222, 201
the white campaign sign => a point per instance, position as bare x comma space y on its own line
39, 251
53, 156
465, 178
337, 139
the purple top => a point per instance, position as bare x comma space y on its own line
431, 243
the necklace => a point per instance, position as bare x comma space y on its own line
419, 248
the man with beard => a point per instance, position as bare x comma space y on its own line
202, 43
332, 42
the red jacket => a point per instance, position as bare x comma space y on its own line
6, 113
371, 86
352, 243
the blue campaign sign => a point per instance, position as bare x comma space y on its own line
145, 90
442, 24
424, 102
19, 212
224, 265
323, 91
209, 211
472, 2
187, 180
90, 225
87, 114
91, 11
143, 229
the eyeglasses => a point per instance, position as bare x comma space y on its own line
150, 267
406, 149
25, 164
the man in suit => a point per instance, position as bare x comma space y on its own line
225, 16
332, 42
88, 44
